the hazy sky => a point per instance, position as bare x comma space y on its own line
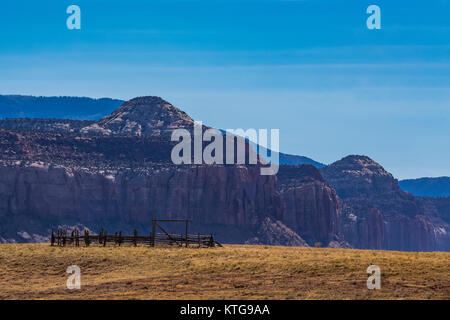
310, 68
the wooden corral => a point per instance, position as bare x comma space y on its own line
63, 237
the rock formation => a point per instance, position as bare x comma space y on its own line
438, 211
376, 213
143, 116
312, 208
116, 173
34, 197
276, 233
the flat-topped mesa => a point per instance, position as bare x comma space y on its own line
142, 116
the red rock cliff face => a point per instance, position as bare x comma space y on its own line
236, 196
438, 211
117, 173
376, 213
122, 182
312, 206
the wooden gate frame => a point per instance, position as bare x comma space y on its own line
155, 224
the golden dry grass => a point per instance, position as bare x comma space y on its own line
38, 271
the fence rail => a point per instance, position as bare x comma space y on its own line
64, 238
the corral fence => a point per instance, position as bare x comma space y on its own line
64, 238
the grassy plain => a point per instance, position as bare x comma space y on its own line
38, 271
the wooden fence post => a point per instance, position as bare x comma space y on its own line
86, 237
135, 237
153, 232
187, 223
105, 238
52, 239
77, 238
64, 238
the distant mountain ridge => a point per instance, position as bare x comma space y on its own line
288, 159
291, 159
76, 108
427, 187
146, 116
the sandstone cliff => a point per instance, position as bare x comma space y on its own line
116, 173
35, 197
124, 179
376, 213
312, 207
438, 210
121, 182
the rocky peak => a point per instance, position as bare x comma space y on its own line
358, 165
142, 116
356, 174
377, 214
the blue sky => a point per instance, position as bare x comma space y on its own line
310, 68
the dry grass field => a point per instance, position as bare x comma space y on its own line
38, 271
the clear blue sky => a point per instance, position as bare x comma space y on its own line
310, 68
